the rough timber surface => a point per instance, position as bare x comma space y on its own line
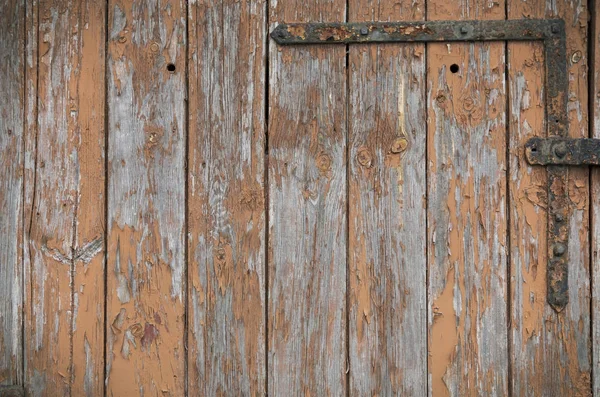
387, 209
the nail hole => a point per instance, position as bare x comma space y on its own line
454, 68
171, 67
534, 149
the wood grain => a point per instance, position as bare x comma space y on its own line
146, 291
307, 209
65, 351
226, 198
387, 209
12, 105
594, 96
550, 352
467, 212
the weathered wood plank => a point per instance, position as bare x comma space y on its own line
467, 215
594, 95
30, 137
146, 288
307, 209
387, 209
65, 353
226, 198
12, 105
550, 352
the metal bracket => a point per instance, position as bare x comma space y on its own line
552, 33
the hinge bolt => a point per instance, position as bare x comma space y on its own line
555, 29
559, 249
560, 151
364, 31
464, 30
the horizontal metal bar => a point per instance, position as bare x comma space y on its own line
563, 151
426, 31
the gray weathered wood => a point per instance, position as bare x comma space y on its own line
12, 102
226, 198
387, 210
307, 209
467, 214
146, 289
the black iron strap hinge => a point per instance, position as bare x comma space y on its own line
556, 151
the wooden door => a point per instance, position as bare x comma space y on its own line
189, 208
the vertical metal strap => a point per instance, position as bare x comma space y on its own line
559, 205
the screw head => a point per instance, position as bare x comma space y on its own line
364, 31
559, 249
464, 29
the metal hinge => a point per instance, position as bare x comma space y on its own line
556, 151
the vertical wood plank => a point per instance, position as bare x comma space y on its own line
146, 288
387, 209
467, 215
65, 352
30, 137
307, 209
226, 198
550, 352
12, 102
594, 69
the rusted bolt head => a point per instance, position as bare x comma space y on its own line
559, 249
399, 145
364, 31
464, 29
555, 29
560, 151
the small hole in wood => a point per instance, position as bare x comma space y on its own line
454, 68
171, 67
534, 149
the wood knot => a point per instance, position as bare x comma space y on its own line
468, 104
364, 157
399, 145
137, 330
220, 253
324, 162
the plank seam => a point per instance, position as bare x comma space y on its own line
106, 192
23, 151
508, 221
266, 190
186, 193
347, 215
591, 58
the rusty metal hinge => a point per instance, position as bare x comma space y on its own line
563, 151
549, 31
